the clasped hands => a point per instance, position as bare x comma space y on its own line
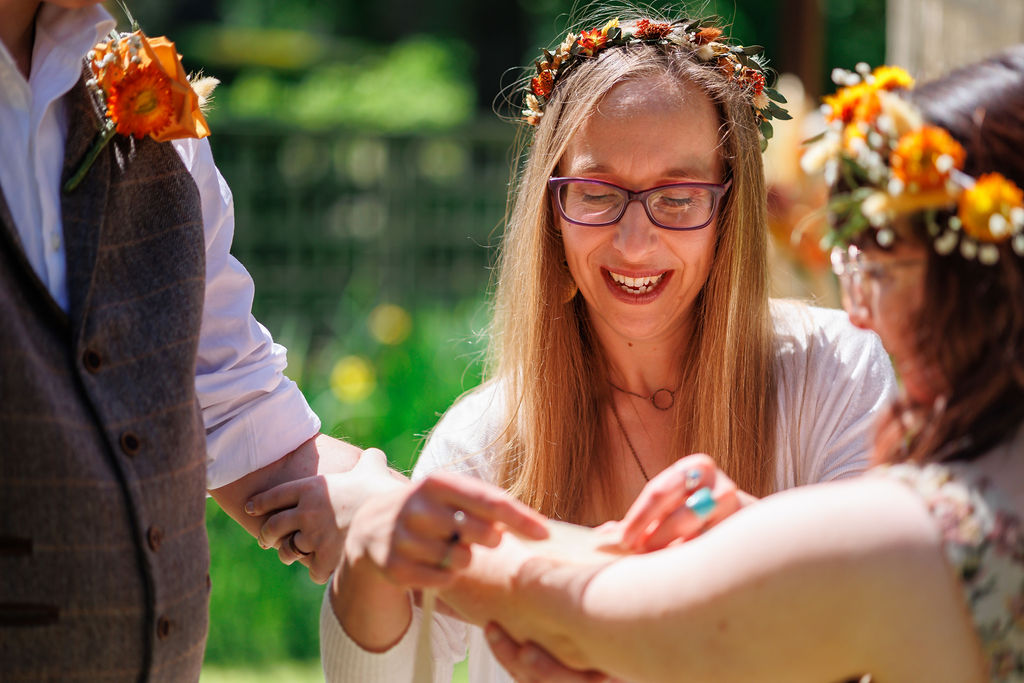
421, 535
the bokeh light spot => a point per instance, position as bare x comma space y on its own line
353, 379
390, 324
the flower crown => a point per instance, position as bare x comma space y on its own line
892, 163
741, 65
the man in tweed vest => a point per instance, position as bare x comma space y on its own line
133, 379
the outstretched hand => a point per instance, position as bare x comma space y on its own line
681, 502
420, 536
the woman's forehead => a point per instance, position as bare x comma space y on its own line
659, 93
668, 127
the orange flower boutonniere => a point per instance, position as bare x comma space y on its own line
145, 92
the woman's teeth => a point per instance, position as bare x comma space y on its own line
636, 285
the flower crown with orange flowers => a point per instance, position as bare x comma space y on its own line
743, 66
891, 163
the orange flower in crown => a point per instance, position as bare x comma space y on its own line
652, 30
859, 100
146, 93
923, 158
991, 209
892, 78
594, 40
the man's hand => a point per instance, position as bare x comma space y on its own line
530, 663
326, 496
307, 519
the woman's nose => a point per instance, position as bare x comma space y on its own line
635, 235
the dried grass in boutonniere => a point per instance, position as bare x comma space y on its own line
145, 92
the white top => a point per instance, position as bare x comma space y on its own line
253, 413
833, 379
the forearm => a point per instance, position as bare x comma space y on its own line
319, 455
374, 612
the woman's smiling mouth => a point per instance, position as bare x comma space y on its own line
636, 288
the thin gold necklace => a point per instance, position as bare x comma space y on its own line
662, 399
629, 443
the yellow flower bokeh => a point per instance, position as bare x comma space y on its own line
390, 324
353, 379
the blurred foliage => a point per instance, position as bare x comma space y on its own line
347, 63
418, 83
855, 31
375, 393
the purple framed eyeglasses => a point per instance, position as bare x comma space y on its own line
677, 206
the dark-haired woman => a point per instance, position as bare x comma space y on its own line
915, 572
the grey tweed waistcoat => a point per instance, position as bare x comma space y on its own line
103, 553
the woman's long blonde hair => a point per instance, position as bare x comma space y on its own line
542, 347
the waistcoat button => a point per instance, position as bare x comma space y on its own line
130, 443
163, 627
92, 360
155, 536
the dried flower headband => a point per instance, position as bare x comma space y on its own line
895, 164
741, 65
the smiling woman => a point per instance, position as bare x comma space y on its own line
639, 279
632, 324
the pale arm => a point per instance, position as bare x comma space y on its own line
815, 584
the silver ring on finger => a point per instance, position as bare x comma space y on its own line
459, 519
692, 478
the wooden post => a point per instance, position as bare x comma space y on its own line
803, 57
930, 37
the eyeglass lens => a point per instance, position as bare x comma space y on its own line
673, 206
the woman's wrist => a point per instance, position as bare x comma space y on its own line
372, 611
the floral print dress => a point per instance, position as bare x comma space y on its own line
984, 543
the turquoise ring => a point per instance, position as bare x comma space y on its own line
702, 503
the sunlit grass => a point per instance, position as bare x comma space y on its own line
278, 672
286, 672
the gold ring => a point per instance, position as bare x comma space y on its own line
446, 561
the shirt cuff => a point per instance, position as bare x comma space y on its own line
269, 429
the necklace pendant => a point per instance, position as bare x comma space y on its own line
663, 399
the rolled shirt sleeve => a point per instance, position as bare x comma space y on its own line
252, 412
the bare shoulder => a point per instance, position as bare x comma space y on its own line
818, 583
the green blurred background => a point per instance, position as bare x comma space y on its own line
370, 173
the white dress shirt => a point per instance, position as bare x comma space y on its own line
253, 414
